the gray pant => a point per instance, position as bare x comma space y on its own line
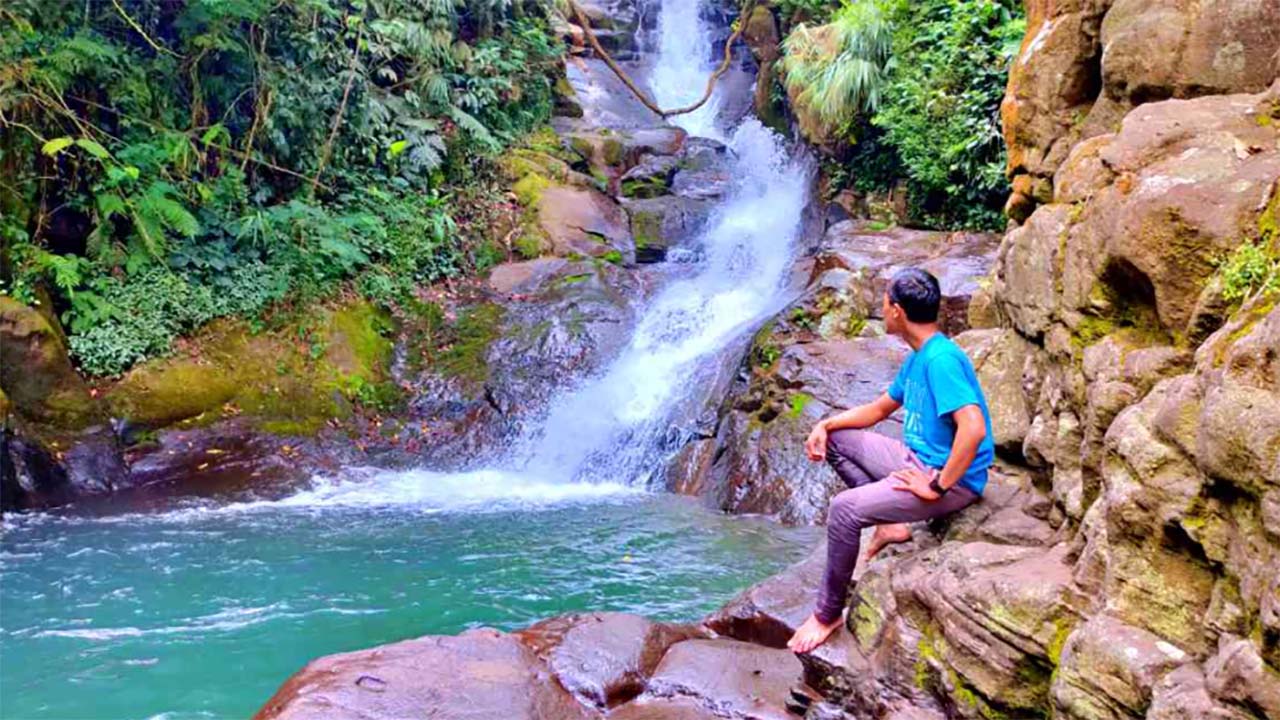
863, 460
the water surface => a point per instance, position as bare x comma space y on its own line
203, 612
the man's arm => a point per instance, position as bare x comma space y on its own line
971, 428
859, 417
863, 416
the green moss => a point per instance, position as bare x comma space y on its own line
285, 379
614, 151
613, 256
644, 187
528, 246
646, 228
797, 403
472, 334
530, 188
764, 352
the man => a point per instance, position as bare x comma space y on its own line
941, 468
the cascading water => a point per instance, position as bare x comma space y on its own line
604, 435
682, 62
607, 429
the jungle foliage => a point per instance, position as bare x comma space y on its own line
167, 162
926, 111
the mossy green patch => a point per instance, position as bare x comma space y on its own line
528, 246
646, 228
474, 331
291, 380
614, 151
644, 188
613, 256
797, 403
530, 188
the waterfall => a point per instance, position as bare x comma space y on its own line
606, 434
682, 64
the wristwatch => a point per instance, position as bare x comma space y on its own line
935, 486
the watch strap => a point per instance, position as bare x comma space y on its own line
936, 486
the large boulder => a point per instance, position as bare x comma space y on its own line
1084, 64
730, 677
1180, 185
56, 443
477, 675
606, 659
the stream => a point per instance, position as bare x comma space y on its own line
200, 610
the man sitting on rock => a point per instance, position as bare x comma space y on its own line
941, 468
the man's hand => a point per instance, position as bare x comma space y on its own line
816, 446
915, 481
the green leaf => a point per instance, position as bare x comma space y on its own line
93, 148
396, 148
56, 145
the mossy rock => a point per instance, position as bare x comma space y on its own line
36, 374
466, 356
644, 188
292, 380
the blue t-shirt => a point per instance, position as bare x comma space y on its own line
933, 383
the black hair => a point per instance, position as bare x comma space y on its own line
917, 292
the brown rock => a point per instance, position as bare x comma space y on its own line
769, 612
1108, 670
1182, 694
35, 373
581, 221
1238, 675
733, 678
1221, 47
604, 658
478, 675
1008, 368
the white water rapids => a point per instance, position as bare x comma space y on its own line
603, 435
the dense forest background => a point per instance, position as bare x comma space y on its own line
167, 162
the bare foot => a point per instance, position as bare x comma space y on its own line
811, 634
886, 535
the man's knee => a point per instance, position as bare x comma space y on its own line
843, 513
844, 444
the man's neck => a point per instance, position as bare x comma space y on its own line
916, 335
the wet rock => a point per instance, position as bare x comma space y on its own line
479, 674
769, 612
662, 223
57, 442
960, 261
730, 677
560, 319
761, 35
703, 171
604, 658
650, 178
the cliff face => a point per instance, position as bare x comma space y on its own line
1085, 64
